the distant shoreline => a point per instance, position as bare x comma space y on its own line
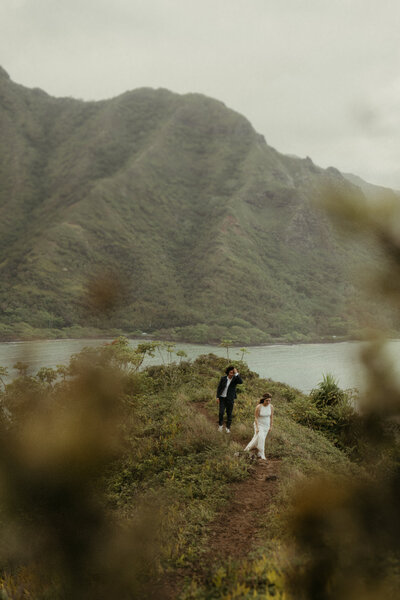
106, 338
298, 365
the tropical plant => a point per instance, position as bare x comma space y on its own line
328, 392
225, 343
243, 351
47, 375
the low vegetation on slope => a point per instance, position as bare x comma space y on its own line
112, 478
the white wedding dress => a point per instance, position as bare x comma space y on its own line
264, 423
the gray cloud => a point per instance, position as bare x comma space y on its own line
316, 77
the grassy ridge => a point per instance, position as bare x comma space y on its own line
181, 460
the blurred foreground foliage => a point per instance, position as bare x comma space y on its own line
349, 534
58, 538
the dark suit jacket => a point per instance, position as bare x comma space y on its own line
231, 393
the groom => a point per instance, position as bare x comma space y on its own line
226, 394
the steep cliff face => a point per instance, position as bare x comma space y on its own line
203, 221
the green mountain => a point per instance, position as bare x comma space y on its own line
210, 232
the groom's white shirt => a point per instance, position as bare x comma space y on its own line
224, 393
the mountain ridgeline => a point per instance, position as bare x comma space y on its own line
210, 232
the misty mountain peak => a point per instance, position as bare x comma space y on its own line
3, 73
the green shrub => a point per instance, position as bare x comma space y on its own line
331, 411
327, 392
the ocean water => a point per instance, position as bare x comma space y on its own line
299, 365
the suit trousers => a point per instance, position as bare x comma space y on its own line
226, 405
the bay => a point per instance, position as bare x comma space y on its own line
299, 365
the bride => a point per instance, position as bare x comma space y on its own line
262, 425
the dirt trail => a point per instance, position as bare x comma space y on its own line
234, 530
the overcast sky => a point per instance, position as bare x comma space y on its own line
316, 77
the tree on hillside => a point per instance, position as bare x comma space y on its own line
225, 343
